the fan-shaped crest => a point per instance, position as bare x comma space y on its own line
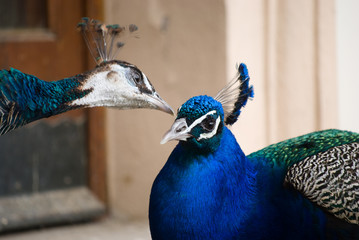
103, 40
235, 95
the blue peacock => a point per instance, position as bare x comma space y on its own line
302, 188
113, 83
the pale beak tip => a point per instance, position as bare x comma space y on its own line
167, 109
170, 111
165, 139
164, 106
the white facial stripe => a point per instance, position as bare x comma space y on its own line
210, 134
181, 127
145, 80
199, 120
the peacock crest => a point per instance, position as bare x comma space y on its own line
102, 40
235, 95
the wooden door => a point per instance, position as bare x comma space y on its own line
48, 167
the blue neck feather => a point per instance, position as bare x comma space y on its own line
191, 186
224, 195
25, 98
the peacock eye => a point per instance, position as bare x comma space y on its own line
208, 123
137, 77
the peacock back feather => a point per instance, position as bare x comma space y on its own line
296, 149
323, 166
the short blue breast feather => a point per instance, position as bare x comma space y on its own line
225, 195
25, 98
196, 192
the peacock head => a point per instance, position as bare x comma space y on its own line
120, 85
115, 83
200, 121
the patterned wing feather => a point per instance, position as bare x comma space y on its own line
323, 166
331, 180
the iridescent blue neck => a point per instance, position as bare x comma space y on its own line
196, 188
25, 98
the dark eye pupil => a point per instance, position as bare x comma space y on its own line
137, 78
208, 123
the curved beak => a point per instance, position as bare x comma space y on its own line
158, 103
179, 131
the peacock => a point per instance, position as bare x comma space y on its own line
306, 187
25, 98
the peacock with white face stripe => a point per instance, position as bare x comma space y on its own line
302, 188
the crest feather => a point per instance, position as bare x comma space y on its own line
235, 95
103, 40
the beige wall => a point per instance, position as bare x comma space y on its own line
189, 47
289, 47
182, 50
347, 24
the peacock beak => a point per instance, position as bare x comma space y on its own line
179, 131
158, 103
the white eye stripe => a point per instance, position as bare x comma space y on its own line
147, 84
199, 120
182, 124
212, 133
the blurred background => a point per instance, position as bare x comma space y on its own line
303, 61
